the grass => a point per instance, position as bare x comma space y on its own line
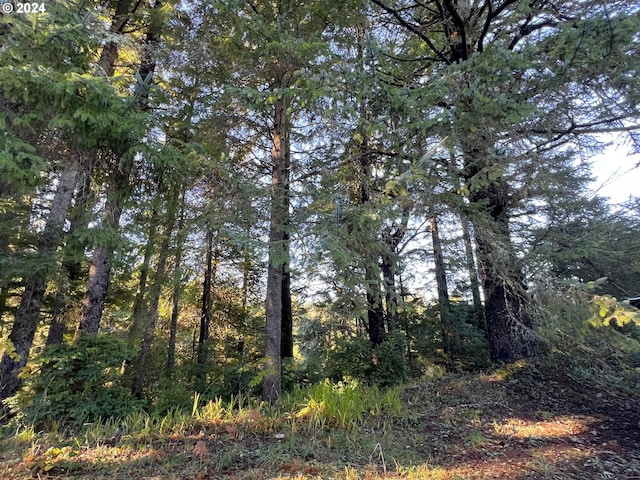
512, 422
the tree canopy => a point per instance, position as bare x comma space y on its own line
232, 195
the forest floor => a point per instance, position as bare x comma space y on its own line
516, 422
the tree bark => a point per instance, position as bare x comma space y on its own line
286, 350
109, 54
140, 303
271, 384
389, 267
177, 289
99, 271
470, 262
389, 279
57, 326
375, 308
154, 299
286, 346
509, 324
28, 314
444, 304
119, 186
205, 313
78, 219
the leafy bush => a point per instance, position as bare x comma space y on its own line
173, 395
389, 367
381, 365
350, 357
594, 337
79, 383
298, 372
467, 348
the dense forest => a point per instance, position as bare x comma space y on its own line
219, 197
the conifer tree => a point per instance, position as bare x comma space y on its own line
51, 89
510, 82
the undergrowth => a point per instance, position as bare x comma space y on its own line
593, 338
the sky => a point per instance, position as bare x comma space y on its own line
618, 173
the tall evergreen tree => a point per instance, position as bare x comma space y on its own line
74, 111
512, 79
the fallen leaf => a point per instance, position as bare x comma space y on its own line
200, 450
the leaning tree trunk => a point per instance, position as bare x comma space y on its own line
28, 313
123, 11
99, 271
118, 188
78, 219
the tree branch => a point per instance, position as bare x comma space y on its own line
412, 28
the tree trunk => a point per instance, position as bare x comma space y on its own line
205, 313
444, 304
286, 350
109, 55
286, 346
509, 324
28, 313
119, 185
271, 384
375, 308
99, 271
389, 279
389, 266
177, 289
78, 219
470, 261
154, 299
58, 326
140, 303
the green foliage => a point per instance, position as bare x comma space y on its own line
350, 357
595, 338
382, 365
78, 383
468, 348
342, 404
389, 367
595, 244
297, 372
609, 313
173, 395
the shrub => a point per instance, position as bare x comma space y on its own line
382, 365
78, 383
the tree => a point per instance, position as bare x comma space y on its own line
587, 240
71, 109
505, 99
120, 155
